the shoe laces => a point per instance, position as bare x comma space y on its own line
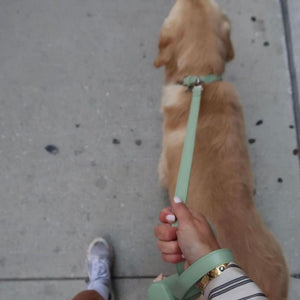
100, 269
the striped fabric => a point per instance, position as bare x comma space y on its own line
233, 284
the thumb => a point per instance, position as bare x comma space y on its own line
181, 211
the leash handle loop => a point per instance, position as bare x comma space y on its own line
197, 270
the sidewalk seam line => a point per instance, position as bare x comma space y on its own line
70, 278
291, 66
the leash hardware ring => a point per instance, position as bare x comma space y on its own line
198, 81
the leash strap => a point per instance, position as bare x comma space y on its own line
183, 178
195, 84
182, 285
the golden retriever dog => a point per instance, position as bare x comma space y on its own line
195, 40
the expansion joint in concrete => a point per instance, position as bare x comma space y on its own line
24, 279
292, 69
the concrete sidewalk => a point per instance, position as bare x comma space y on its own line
81, 136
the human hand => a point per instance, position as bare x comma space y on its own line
191, 240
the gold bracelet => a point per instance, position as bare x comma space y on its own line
210, 276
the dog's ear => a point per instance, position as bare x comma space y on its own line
165, 48
230, 50
225, 32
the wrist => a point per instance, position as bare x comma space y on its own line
201, 253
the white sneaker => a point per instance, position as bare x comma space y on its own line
99, 262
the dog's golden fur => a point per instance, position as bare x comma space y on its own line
195, 40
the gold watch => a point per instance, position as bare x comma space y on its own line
210, 276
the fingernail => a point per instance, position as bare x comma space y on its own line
170, 218
182, 256
177, 200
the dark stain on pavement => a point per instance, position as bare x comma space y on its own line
116, 141
138, 142
52, 149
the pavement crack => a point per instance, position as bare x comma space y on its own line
16, 279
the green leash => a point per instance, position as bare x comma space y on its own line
195, 84
180, 286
